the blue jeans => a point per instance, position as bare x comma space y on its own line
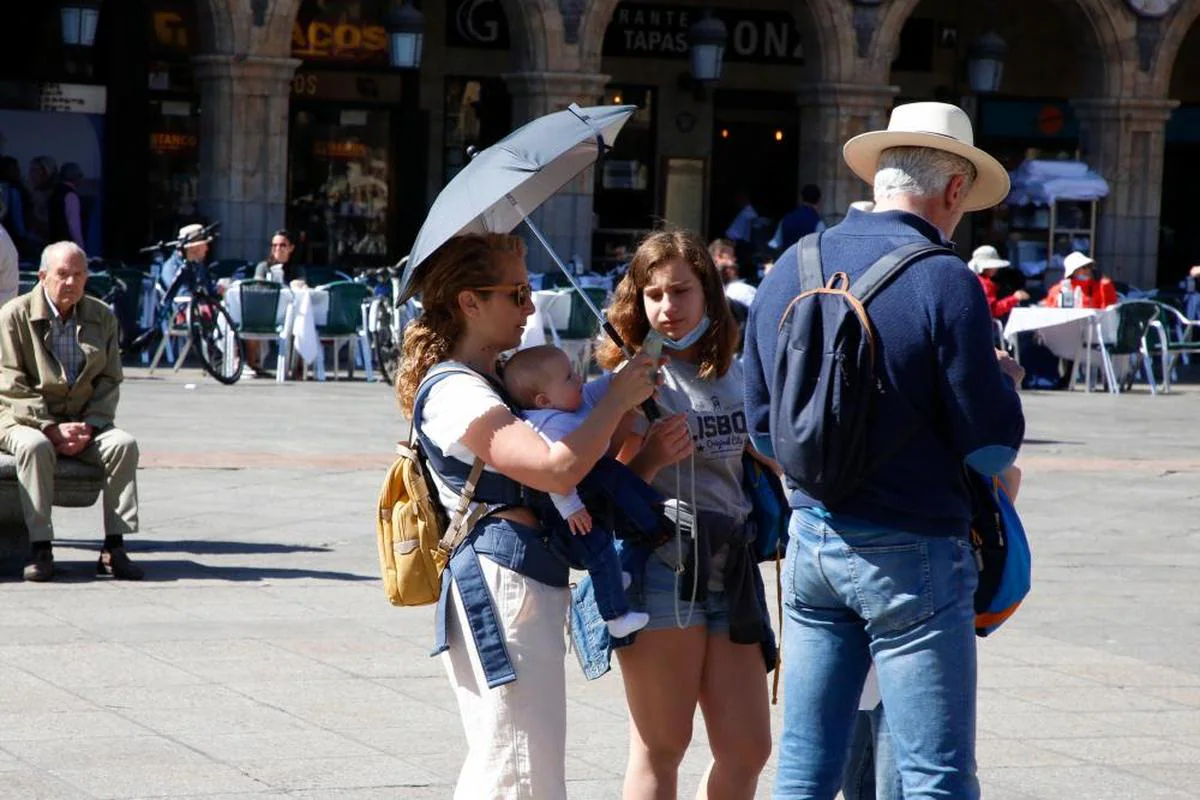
871, 766
859, 594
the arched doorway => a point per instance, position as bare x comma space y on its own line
1056, 54
1179, 242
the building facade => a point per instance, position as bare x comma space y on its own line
265, 114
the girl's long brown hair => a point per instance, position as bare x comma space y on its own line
627, 312
464, 262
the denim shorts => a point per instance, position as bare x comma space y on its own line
660, 591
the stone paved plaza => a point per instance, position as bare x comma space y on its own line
261, 660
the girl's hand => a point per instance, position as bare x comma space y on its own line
667, 442
636, 381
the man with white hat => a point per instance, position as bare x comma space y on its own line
193, 247
1079, 280
886, 575
986, 262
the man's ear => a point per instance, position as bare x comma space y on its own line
541, 400
955, 191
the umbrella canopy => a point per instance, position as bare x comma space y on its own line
503, 183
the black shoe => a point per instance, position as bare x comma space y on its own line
41, 568
116, 562
259, 372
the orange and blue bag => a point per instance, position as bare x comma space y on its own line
1001, 552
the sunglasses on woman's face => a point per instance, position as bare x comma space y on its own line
521, 293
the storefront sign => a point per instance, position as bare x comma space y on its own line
761, 36
349, 87
319, 40
78, 98
168, 142
334, 149
478, 24
1027, 119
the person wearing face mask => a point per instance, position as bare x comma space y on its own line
1079, 278
708, 643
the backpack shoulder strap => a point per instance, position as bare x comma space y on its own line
890, 265
808, 257
435, 374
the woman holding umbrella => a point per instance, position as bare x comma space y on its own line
505, 596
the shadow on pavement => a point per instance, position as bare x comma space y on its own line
75, 571
199, 546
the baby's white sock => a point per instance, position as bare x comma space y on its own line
627, 623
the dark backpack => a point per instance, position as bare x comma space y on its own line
823, 378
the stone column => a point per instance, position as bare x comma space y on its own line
1123, 140
830, 114
244, 148
565, 219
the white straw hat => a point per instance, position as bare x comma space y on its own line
939, 126
986, 257
188, 231
1075, 262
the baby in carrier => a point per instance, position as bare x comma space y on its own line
555, 401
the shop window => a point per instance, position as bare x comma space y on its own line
174, 166
478, 113
626, 178
339, 191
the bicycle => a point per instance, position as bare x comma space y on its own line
210, 327
387, 318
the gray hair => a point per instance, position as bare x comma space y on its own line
59, 252
918, 171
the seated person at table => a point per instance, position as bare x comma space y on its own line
986, 262
1079, 277
280, 256
194, 251
544, 383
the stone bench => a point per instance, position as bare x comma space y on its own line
76, 485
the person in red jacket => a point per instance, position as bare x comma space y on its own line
985, 262
1078, 274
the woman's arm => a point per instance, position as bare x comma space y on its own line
512, 448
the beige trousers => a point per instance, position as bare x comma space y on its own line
114, 450
516, 733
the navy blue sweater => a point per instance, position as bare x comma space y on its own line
938, 369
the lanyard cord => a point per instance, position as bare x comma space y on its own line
679, 622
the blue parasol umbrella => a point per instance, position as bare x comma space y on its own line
501, 185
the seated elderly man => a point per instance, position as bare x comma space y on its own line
60, 372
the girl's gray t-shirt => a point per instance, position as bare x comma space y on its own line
716, 417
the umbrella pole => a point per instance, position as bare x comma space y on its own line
604, 323
648, 408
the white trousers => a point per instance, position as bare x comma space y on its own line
516, 733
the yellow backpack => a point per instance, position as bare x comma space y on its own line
413, 549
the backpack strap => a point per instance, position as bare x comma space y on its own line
887, 267
812, 274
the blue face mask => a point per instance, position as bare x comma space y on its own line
684, 342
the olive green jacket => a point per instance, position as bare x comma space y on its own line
33, 386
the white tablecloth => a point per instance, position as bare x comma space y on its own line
1062, 330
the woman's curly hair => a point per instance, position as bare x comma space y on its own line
627, 313
464, 262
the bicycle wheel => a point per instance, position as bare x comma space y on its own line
385, 348
215, 339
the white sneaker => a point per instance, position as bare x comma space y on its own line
627, 623
626, 579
